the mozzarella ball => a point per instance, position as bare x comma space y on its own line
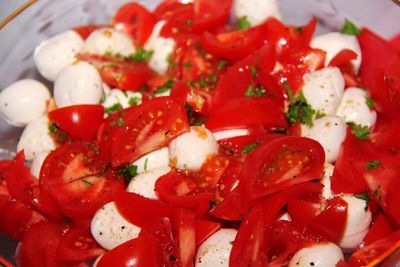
326, 180
109, 40
36, 139
23, 102
323, 89
330, 132
110, 229
162, 48
354, 107
37, 163
144, 183
125, 98
322, 255
256, 11
190, 150
230, 133
334, 42
156, 159
78, 83
216, 249
52, 55
359, 218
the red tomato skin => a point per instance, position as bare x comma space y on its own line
85, 31
246, 112
4, 166
81, 121
302, 212
209, 14
147, 127
136, 20
380, 228
204, 229
141, 251
185, 229
255, 165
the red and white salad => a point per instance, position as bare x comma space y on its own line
206, 133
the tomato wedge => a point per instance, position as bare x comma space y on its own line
147, 127
281, 163
204, 229
79, 120
210, 14
136, 20
85, 31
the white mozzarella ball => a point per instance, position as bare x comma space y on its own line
322, 255
125, 98
330, 132
36, 138
190, 150
256, 11
52, 55
38, 162
359, 218
354, 107
23, 102
326, 180
109, 40
156, 159
230, 133
144, 183
334, 42
323, 89
162, 48
78, 83
216, 249
110, 229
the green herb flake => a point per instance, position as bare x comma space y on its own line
298, 29
370, 102
253, 71
247, 149
166, 87
146, 161
319, 114
87, 183
361, 132
370, 165
187, 65
189, 22
299, 110
62, 137
377, 194
103, 98
114, 108
243, 23
53, 128
133, 101
222, 64
212, 203
128, 172
111, 65
364, 196
349, 28
201, 121
255, 91
140, 55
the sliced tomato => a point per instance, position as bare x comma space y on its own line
209, 14
395, 41
204, 229
85, 31
179, 21
79, 120
130, 205
302, 212
185, 229
232, 207
17, 217
343, 60
147, 127
161, 229
136, 20
166, 7
234, 45
247, 112
281, 163
141, 251
4, 166
77, 244
380, 228
308, 59
119, 73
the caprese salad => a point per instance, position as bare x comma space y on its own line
206, 133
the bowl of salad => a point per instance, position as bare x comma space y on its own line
200, 133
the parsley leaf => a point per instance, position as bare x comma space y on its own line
376, 193
128, 172
167, 86
349, 28
247, 149
222, 64
243, 23
299, 110
370, 102
320, 114
370, 165
134, 101
140, 55
361, 132
253, 71
114, 108
255, 91
363, 196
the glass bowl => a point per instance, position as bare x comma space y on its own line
45, 18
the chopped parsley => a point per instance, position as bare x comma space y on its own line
349, 28
364, 196
114, 108
370, 102
370, 165
299, 110
128, 172
165, 87
189, 22
187, 65
212, 204
243, 23
118, 122
201, 121
253, 71
140, 55
376, 193
222, 64
247, 149
255, 91
145, 164
361, 132
134, 101
298, 29
87, 183
55, 130
319, 114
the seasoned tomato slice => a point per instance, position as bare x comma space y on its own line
147, 127
281, 163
